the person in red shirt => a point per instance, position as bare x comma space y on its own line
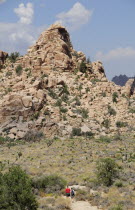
68, 191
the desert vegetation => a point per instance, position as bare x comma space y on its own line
105, 166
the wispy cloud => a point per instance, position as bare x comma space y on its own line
20, 35
77, 16
116, 54
25, 13
2, 1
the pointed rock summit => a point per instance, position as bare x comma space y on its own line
53, 90
52, 51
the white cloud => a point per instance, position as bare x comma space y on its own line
18, 37
25, 13
116, 54
77, 16
118, 61
2, 1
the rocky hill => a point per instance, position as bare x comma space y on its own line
52, 90
121, 80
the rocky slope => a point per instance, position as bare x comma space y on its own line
54, 91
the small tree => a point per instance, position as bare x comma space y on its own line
18, 70
16, 190
107, 171
83, 67
13, 56
114, 97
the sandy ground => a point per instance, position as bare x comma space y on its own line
82, 205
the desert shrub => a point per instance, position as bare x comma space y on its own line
46, 112
121, 124
77, 101
35, 115
3, 140
81, 195
32, 136
117, 207
104, 139
62, 204
88, 60
83, 67
75, 71
103, 94
132, 110
76, 132
82, 111
119, 184
87, 89
65, 89
50, 184
13, 56
111, 111
8, 73
52, 94
107, 171
106, 123
87, 134
64, 98
16, 190
114, 97
58, 102
63, 110
95, 80
18, 70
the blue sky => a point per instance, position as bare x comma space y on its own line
103, 29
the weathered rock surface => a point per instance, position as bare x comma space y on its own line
53, 95
3, 56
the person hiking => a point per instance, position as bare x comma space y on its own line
72, 193
68, 191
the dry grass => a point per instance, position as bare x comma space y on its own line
75, 160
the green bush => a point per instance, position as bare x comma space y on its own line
111, 111
76, 132
13, 56
132, 110
83, 112
114, 97
81, 195
105, 139
77, 101
120, 124
107, 171
95, 80
106, 123
87, 89
18, 70
50, 184
52, 94
63, 110
58, 102
65, 89
103, 94
83, 67
119, 184
32, 136
65, 98
117, 207
16, 190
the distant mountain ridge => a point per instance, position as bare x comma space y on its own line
121, 79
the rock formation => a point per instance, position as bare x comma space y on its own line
3, 56
53, 90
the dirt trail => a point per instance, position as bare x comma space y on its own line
82, 205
